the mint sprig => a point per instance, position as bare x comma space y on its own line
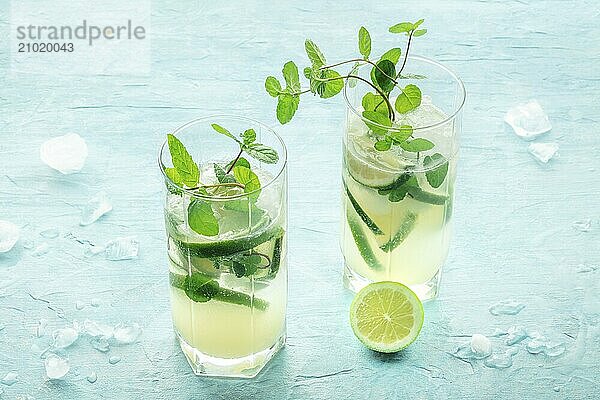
326, 82
248, 144
185, 169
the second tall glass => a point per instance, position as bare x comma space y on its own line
397, 204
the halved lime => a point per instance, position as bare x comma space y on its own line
386, 316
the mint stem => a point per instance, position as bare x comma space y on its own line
364, 61
405, 54
234, 161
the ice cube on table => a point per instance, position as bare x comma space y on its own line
506, 307
97, 329
64, 337
127, 334
501, 360
114, 359
543, 152
66, 154
124, 248
49, 233
528, 120
96, 207
100, 343
10, 379
41, 249
480, 346
92, 377
9, 235
56, 367
516, 334
583, 225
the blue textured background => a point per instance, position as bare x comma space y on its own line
513, 217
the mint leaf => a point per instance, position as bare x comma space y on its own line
397, 190
249, 136
402, 27
383, 74
246, 264
364, 42
222, 176
374, 102
173, 175
416, 145
418, 23
186, 168
409, 99
383, 145
292, 79
436, 176
223, 131
201, 218
333, 86
273, 86
399, 136
315, 55
246, 177
376, 119
392, 54
200, 288
262, 153
419, 32
286, 107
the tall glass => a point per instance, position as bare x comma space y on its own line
387, 232
228, 291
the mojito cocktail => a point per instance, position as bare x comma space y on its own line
226, 235
397, 203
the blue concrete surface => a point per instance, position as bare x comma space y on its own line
513, 220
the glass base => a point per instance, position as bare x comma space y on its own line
243, 367
425, 291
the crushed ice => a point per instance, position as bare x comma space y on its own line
56, 366
9, 236
124, 248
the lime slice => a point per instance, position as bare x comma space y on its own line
386, 316
369, 166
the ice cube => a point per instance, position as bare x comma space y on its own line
49, 233
528, 120
42, 327
97, 329
516, 334
91, 250
56, 367
124, 248
9, 236
65, 154
583, 225
96, 207
480, 346
65, 337
114, 359
100, 344
543, 152
501, 360
79, 305
92, 377
10, 379
126, 334
540, 344
464, 352
506, 307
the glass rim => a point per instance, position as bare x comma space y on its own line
452, 116
190, 192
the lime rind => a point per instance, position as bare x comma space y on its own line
375, 289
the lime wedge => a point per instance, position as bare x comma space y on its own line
386, 316
369, 166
